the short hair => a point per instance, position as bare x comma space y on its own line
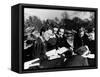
43, 29
62, 27
29, 42
90, 30
81, 50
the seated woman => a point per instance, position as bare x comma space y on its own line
80, 38
92, 46
38, 51
45, 43
79, 59
54, 60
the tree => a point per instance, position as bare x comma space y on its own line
65, 15
33, 21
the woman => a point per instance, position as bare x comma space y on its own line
79, 59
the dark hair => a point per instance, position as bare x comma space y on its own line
56, 27
43, 29
25, 37
81, 50
90, 30
62, 27
29, 42
68, 54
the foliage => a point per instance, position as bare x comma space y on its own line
33, 22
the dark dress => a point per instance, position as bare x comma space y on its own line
76, 60
61, 42
80, 41
50, 45
39, 48
92, 47
28, 53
